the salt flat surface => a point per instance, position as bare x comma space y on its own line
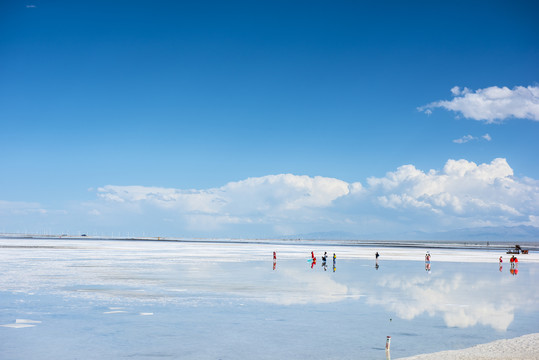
114, 299
523, 348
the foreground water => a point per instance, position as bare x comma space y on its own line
107, 299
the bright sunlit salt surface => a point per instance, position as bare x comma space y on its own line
125, 299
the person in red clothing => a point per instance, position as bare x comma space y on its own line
514, 261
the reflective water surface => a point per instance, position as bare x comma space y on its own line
215, 301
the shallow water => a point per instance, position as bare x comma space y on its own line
107, 299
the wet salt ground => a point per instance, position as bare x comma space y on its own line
145, 300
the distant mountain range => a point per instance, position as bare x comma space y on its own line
489, 233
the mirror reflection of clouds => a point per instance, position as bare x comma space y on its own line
175, 272
459, 299
289, 285
191, 273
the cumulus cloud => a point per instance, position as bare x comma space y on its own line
461, 194
462, 188
253, 200
492, 104
278, 192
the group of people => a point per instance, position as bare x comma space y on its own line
324, 260
514, 265
513, 261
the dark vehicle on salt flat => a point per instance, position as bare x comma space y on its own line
517, 250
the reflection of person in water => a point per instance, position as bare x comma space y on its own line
334, 262
324, 265
514, 265
376, 266
427, 266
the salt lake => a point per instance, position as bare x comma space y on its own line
93, 299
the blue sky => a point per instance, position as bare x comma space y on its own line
106, 106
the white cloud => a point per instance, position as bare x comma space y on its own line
455, 90
467, 138
462, 189
464, 139
258, 200
491, 104
281, 192
462, 194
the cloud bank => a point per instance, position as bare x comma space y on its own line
492, 104
267, 196
462, 194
